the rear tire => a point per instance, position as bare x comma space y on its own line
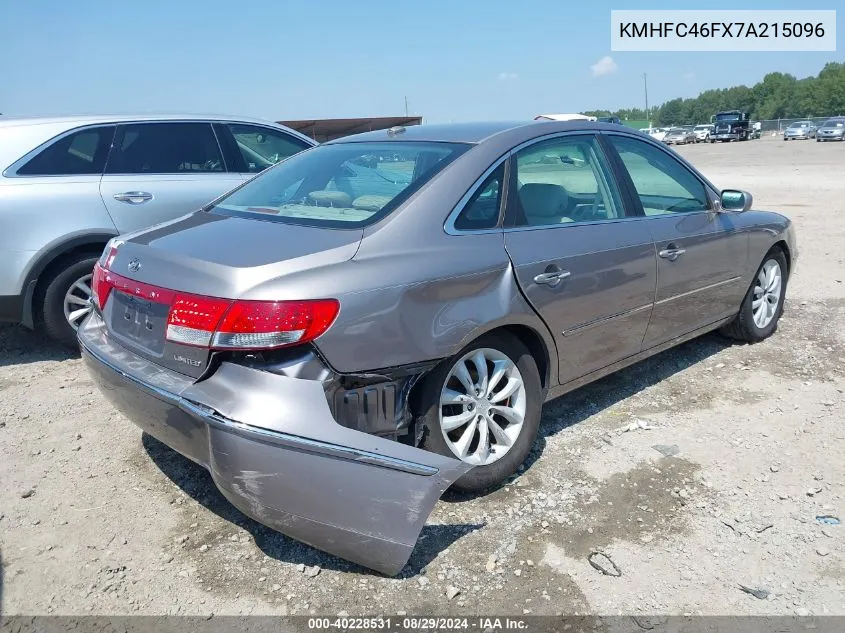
751, 325
64, 297
510, 353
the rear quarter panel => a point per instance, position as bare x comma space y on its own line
426, 304
39, 215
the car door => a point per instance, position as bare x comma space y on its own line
583, 263
250, 149
700, 252
157, 171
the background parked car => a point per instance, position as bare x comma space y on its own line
679, 136
68, 185
800, 130
702, 132
832, 130
657, 133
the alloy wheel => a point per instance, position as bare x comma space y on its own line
77, 302
767, 291
482, 406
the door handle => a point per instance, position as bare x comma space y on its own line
672, 252
552, 278
133, 197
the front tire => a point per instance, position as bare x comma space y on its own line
66, 299
762, 306
483, 406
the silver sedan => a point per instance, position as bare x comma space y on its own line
381, 317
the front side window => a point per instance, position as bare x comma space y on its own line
165, 148
663, 184
344, 185
80, 153
482, 210
262, 147
563, 180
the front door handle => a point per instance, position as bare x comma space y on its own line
552, 278
133, 197
671, 252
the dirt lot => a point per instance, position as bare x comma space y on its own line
96, 519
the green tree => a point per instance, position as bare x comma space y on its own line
778, 96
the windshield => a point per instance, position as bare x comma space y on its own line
834, 123
701, 128
728, 116
800, 124
341, 185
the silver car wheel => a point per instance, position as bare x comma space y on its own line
482, 406
767, 292
77, 303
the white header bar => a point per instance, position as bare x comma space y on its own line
723, 30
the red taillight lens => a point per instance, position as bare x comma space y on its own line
268, 324
193, 319
100, 286
224, 323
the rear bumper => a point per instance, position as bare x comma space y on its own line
725, 137
275, 452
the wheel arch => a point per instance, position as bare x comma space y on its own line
51, 260
534, 336
782, 245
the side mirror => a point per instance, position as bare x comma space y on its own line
736, 200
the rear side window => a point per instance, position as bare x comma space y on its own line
165, 148
482, 210
80, 153
262, 147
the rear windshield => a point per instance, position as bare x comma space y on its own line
341, 185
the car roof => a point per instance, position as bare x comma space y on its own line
473, 133
10, 121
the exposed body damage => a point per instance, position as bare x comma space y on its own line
366, 498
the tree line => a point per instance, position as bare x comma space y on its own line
777, 96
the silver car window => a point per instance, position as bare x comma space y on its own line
79, 153
165, 148
262, 147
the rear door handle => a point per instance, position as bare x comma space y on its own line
133, 197
671, 252
552, 278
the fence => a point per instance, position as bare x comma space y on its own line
779, 125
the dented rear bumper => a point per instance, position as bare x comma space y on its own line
276, 453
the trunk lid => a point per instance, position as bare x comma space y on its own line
209, 255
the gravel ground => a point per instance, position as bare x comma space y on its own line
734, 452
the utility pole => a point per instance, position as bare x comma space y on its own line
645, 85
406, 106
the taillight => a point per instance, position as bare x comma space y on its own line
223, 323
100, 286
268, 324
193, 319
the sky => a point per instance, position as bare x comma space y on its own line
459, 60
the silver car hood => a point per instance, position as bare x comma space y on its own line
195, 253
